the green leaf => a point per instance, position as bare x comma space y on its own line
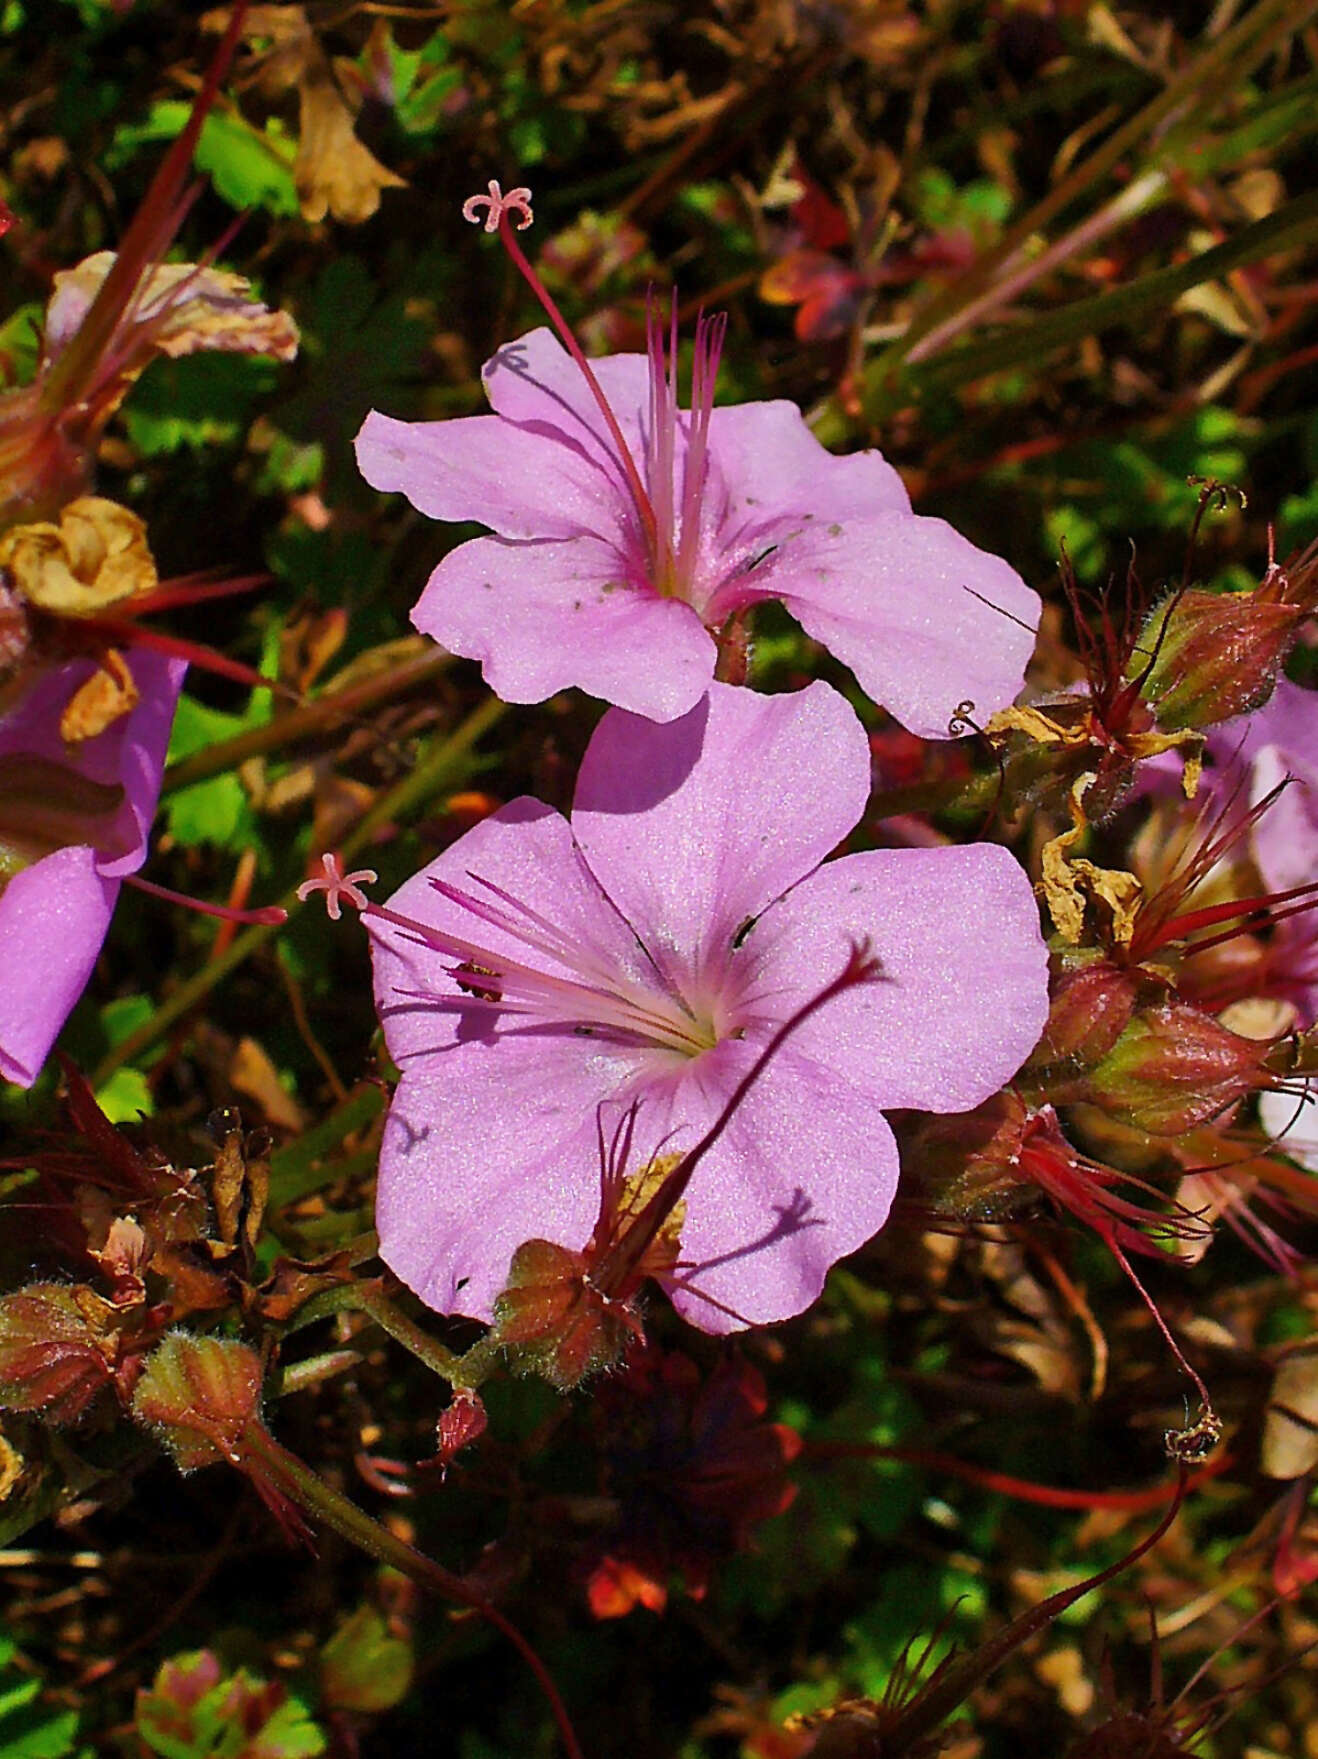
27, 1730
126, 1097
362, 1667
249, 169
194, 1710
216, 811
201, 400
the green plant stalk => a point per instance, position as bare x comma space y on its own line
1219, 68
329, 708
445, 764
1290, 226
467, 1370
314, 1497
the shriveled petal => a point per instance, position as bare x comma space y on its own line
541, 617
53, 918
694, 827
487, 1145
804, 1174
527, 850
964, 992
521, 482
924, 619
535, 381
772, 465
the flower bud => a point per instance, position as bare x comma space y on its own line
1218, 654
1175, 1067
462, 1422
200, 1395
553, 1321
58, 1347
1091, 1007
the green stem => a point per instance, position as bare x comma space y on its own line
1289, 227
328, 709
1222, 66
466, 1371
440, 769
316, 1498
372, 1300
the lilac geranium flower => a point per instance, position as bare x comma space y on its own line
74, 821
627, 531
541, 977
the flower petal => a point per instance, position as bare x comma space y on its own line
543, 616
924, 619
694, 827
534, 380
963, 995
773, 466
804, 1174
521, 482
487, 1145
53, 918
527, 850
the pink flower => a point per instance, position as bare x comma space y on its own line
540, 977
624, 541
74, 821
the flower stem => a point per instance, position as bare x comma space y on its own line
314, 1497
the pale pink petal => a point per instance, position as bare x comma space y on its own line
924, 619
536, 382
487, 1145
522, 483
693, 829
773, 466
527, 850
804, 1174
963, 997
53, 919
541, 617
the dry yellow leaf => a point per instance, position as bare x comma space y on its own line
96, 557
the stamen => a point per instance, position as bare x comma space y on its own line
704, 374
499, 205
269, 915
338, 886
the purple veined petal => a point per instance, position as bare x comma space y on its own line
487, 1146
773, 467
924, 619
541, 617
535, 381
694, 827
527, 851
54, 916
963, 997
522, 483
804, 1174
